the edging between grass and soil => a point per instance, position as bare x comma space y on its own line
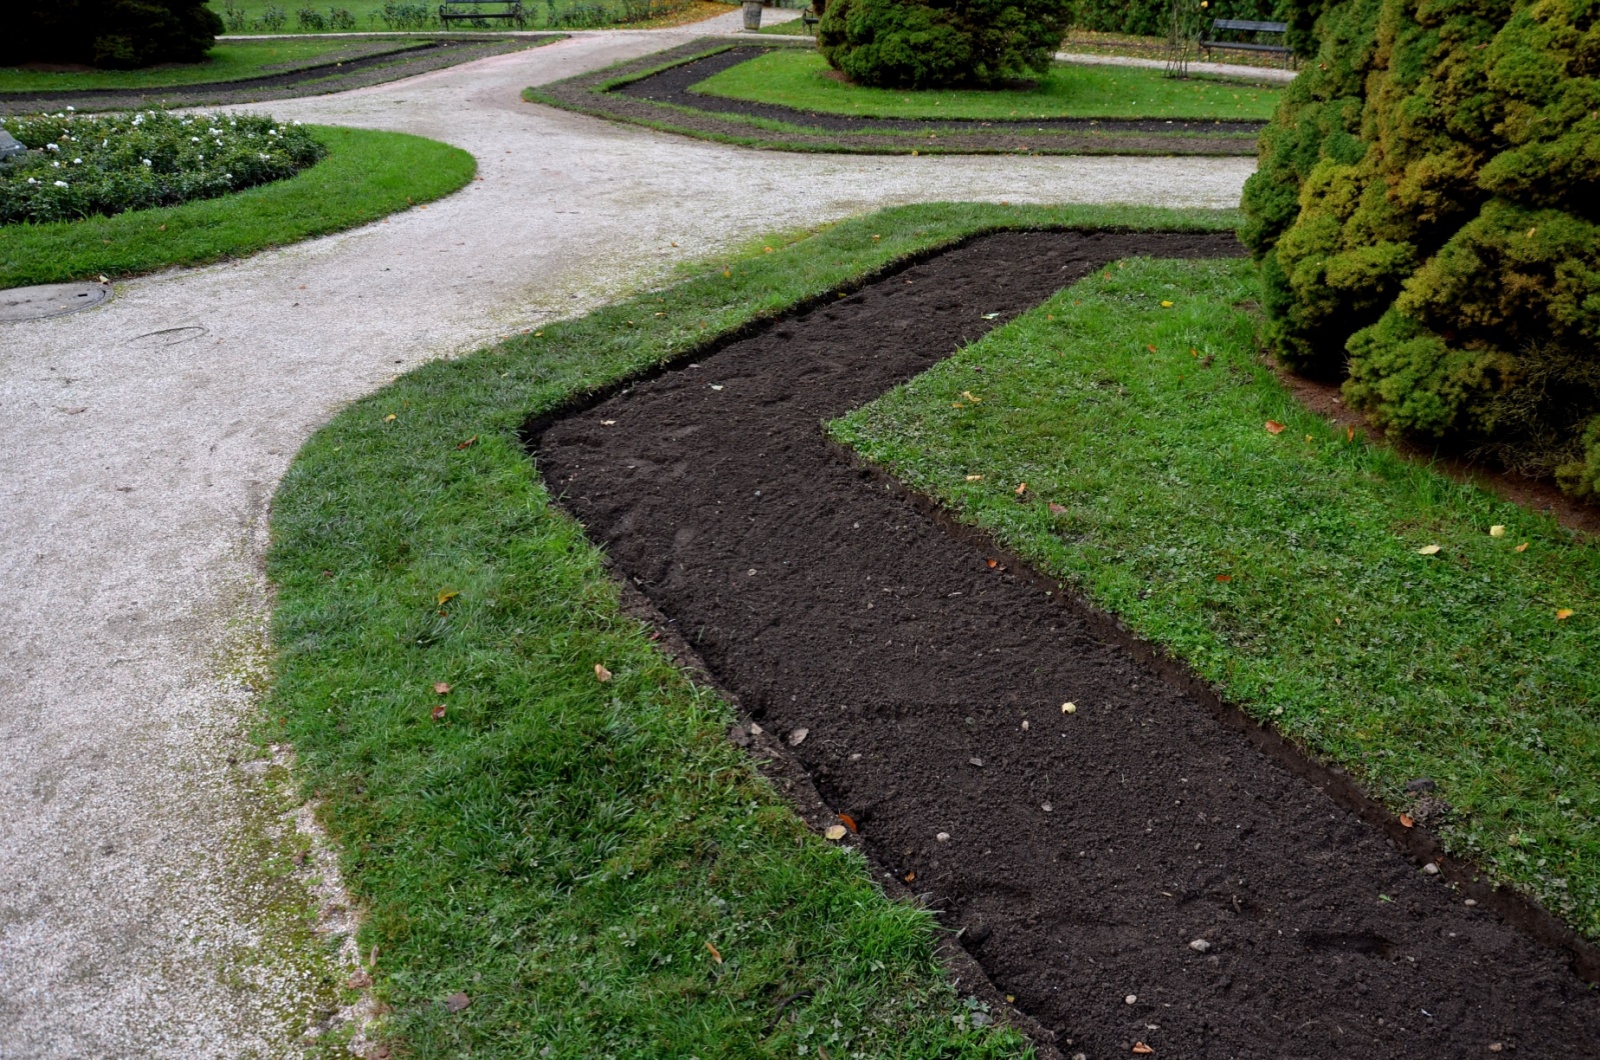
366, 175
590, 862
609, 93
437, 53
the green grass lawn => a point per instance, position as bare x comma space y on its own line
365, 175
801, 78
591, 862
1356, 600
228, 61
421, 15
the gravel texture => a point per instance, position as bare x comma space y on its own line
141, 444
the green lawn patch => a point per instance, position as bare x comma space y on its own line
802, 79
228, 61
365, 176
590, 862
1295, 571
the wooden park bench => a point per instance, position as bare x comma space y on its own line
1240, 25
472, 11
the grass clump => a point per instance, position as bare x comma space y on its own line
802, 79
589, 861
364, 176
80, 166
1176, 483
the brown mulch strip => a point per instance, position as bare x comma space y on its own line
654, 91
898, 659
335, 75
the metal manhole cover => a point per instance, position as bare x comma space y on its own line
51, 300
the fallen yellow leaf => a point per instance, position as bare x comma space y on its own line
441, 687
1022, 487
968, 395
1428, 550
1522, 547
716, 954
389, 418
974, 478
601, 673
1497, 531
1274, 427
446, 595
1166, 305
1563, 614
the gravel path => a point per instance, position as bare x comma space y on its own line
137, 465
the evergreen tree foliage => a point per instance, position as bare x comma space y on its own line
1426, 214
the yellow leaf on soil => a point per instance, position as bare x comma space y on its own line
835, 832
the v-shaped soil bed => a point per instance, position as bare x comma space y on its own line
1084, 854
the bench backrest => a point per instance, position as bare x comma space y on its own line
1247, 26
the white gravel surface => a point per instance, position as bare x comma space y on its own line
137, 463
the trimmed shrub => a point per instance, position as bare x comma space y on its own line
938, 43
79, 166
116, 34
1426, 215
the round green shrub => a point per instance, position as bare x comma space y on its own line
80, 166
1425, 214
940, 43
114, 34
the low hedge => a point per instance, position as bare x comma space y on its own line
82, 166
1424, 215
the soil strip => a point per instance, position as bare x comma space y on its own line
1132, 871
654, 91
332, 75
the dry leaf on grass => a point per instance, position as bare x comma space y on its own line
438, 712
1149, 347
1522, 547
601, 673
1022, 487
1563, 614
441, 687
1497, 531
974, 478
716, 954
457, 1001
1166, 305
1224, 577
1274, 427
446, 595
1407, 821
1428, 550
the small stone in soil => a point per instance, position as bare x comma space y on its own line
976, 761
1131, 998
798, 737
1470, 901
1046, 807
943, 837
1200, 945
1431, 869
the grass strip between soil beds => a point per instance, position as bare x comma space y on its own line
590, 862
803, 80
227, 61
366, 175
1357, 600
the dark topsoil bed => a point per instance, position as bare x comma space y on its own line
1086, 852
367, 63
660, 99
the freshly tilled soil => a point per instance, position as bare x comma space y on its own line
1082, 857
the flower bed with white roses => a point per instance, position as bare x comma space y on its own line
81, 166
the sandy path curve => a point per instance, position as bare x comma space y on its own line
136, 467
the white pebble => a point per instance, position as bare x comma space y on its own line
1200, 945
1131, 998
1431, 869
943, 837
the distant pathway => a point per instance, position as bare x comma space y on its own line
137, 463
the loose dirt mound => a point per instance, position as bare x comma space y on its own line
1084, 854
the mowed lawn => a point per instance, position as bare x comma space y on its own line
802, 79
